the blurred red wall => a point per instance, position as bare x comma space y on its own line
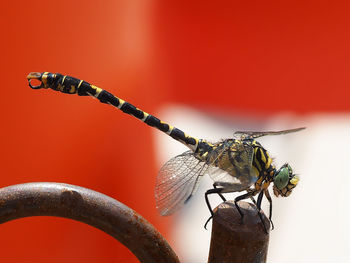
260, 57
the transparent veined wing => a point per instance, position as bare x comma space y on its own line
177, 181
254, 135
233, 168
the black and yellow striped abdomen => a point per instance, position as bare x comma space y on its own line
71, 85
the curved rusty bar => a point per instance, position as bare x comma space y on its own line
90, 207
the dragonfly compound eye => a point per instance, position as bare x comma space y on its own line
285, 181
282, 178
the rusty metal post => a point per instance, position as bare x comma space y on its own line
235, 239
90, 207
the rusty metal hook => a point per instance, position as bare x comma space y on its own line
90, 207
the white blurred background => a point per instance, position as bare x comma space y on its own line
312, 224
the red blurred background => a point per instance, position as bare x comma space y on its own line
229, 56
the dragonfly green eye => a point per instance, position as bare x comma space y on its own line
282, 177
284, 181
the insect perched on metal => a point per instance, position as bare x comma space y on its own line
235, 165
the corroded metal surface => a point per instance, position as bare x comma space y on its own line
235, 239
90, 207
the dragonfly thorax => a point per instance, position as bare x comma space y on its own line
262, 162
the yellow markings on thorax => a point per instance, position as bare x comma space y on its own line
256, 162
263, 157
205, 154
255, 170
269, 161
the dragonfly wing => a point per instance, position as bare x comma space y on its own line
253, 135
234, 170
177, 181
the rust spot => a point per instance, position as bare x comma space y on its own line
70, 197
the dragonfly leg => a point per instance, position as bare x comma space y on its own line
253, 200
242, 197
220, 194
268, 197
215, 190
258, 204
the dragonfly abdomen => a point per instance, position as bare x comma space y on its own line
71, 85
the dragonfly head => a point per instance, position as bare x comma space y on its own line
284, 181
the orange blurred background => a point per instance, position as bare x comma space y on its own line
229, 56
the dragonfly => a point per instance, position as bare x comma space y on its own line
235, 164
